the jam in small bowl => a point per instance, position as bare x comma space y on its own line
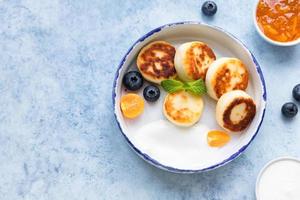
278, 21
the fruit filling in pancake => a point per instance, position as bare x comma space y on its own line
156, 61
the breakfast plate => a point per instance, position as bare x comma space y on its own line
183, 148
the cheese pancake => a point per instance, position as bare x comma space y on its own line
235, 110
156, 61
224, 75
192, 59
183, 108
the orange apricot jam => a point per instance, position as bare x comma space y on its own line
216, 138
132, 105
279, 20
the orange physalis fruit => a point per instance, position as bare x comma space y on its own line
216, 138
132, 105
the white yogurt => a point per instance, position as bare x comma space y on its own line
280, 180
175, 146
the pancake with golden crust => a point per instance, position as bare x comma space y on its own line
156, 61
183, 108
235, 110
192, 60
225, 75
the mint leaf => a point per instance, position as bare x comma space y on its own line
172, 86
195, 87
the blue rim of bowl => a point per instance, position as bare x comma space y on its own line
155, 162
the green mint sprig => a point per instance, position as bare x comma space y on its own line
195, 87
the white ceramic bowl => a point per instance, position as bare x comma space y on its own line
291, 43
223, 44
266, 167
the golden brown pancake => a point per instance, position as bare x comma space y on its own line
235, 110
192, 60
183, 108
156, 61
225, 75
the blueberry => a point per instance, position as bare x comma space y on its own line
151, 93
209, 8
289, 109
133, 80
296, 92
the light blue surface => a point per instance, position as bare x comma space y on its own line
58, 137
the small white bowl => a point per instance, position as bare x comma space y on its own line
291, 43
262, 171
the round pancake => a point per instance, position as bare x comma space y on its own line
156, 61
224, 75
182, 108
235, 110
192, 59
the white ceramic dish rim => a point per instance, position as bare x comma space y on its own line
268, 165
151, 160
286, 44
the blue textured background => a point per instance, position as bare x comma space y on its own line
58, 137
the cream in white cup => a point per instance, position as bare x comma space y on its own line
279, 180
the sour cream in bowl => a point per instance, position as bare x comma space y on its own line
279, 180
